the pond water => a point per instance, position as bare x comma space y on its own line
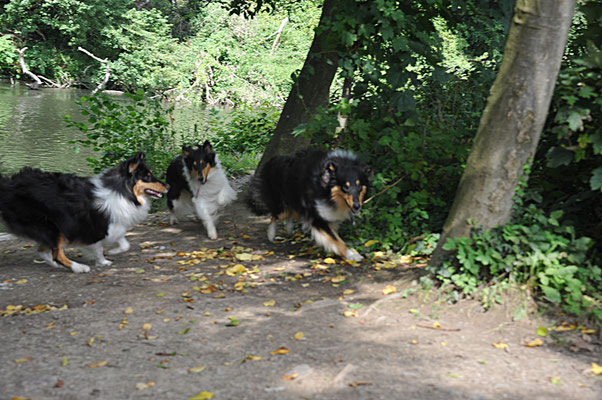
33, 132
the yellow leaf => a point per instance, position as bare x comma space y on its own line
565, 328
244, 256
348, 291
21, 281
414, 341
269, 303
91, 342
389, 289
142, 385
147, 327
280, 350
329, 260
23, 360
290, 377
500, 345
370, 243
436, 325
128, 310
534, 343
202, 396
252, 358
338, 278
596, 369
98, 364
349, 313
299, 335
64, 361
236, 270
200, 368
587, 331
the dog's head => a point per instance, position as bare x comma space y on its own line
347, 179
141, 180
200, 162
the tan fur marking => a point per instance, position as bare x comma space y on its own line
59, 255
362, 194
133, 167
206, 171
337, 195
337, 242
347, 184
284, 215
357, 182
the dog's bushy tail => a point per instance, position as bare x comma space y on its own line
253, 197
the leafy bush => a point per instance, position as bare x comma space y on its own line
536, 249
117, 129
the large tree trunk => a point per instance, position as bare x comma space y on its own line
310, 90
514, 117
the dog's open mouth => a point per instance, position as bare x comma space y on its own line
153, 193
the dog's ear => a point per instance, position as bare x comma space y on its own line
207, 148
328, 172
368, 173
135, 161
186, 151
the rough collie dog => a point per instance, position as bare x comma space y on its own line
321, 188
198, 184
56, 209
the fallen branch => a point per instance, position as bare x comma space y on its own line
384, 190
102, 84
26, 70
278, 34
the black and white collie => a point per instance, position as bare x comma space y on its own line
322, 188
198, 184
56, 209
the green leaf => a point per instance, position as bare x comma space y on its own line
575, 121
558, 156
355, 306
542, 331
233, 322
184, 331
595, 181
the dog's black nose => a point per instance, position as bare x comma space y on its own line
356, 207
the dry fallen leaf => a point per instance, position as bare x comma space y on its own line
290, 377
596, 369
329, 260
349, 313
338, 278
23, 360
203, 396
280, 350
370, 243
98, 364
534, 343
147, 327
389, 289
200, 368
299, 336
500, 345
142, 385
252, 357
348, 291
128, 310
269, 303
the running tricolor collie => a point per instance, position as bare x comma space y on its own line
197, 183
56, 209
322, 188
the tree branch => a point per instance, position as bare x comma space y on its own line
26, 70
102, 84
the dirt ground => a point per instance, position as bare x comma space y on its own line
180, 316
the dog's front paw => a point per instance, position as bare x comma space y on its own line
79, 268
353, 255
212, 233
104, 263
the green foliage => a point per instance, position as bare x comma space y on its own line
8, 55
117, 129
538, 250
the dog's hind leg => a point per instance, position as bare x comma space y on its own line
203, 213
59, 256
46, 255
272, 229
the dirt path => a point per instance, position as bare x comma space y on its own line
155, 325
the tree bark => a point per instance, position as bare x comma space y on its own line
513, 119
37, 82
310, 90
